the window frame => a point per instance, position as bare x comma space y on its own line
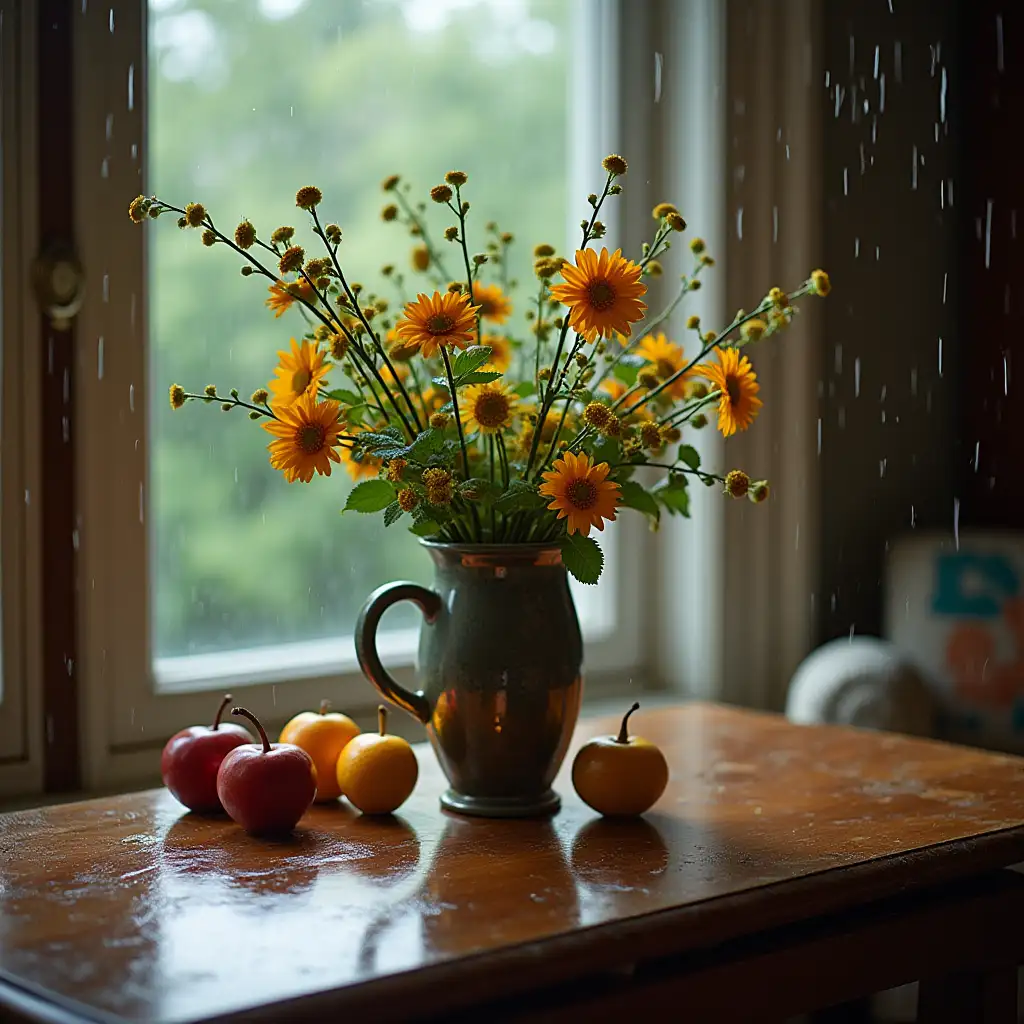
21, 704
126, 716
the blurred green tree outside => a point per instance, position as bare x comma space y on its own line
248, 101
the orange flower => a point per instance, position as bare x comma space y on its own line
602, 293
494, 304
299, 372
666, 360
615, 388
437, 320
283, 294
306, 433
735, 378
501, 351
580, 492
366, 468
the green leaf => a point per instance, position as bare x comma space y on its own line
440, 382
346, 397
424, 513
425, 528
605, 449
477, 488
471, 359
674, 495
477, 377
370, 496
582, 557
392, 513
519, 495
634, 496
427, 443
378, 440
527, 388
626, 372
689, 455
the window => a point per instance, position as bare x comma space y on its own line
19, 382
203, 569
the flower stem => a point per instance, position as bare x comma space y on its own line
465, 256
365, 322
455, 410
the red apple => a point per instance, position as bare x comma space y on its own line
266, 788
191, 758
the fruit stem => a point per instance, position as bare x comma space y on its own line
382, 718
623, 736
324, 705
255, 721
220, 711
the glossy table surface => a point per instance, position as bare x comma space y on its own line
131, 908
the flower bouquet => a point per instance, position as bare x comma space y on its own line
502, 447
472, 430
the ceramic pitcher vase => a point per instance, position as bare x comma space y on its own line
498, 672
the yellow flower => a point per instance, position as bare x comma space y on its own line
488, 408
753, 329
615, 389
759, 491
306, 433
650, 435
821, 284
195, 214
597, 414
420, 258
433, 321
614, 164
737, 483
501, 351
666, 359
245, 235
663, 210
298, 373
283, 294
438, 483
138, 208
365, 469
440, 193
602, 293
579, 491
458, 178
735, 378
493, 302
407, 499
308, 196
177, 394
291, 259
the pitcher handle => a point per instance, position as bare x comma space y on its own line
366, 643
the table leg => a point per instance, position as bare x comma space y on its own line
988, 997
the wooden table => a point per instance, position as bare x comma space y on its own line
785, 869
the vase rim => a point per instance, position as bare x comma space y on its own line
462, 546
487, 556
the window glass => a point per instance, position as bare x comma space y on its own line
247, 102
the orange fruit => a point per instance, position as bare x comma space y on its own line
323, 736
377, 772
620, 776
